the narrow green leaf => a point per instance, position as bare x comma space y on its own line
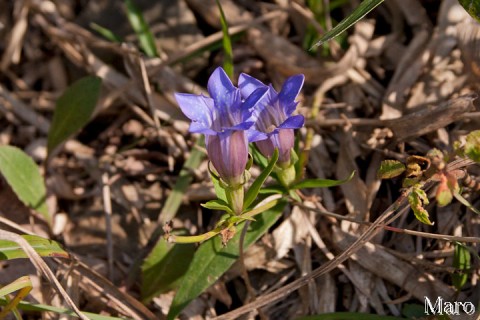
390, 169
227, 44
44, 247
321, 183
184, 179
365, 7
144, 35
465, 202
212, 259
21, 173
20, 283
472, 7
417, 199
106, 33
461, 262
217, 204
347, 316
472, 145
164, 266
252, 192
272, 189
73, 110
26, 306
258, 157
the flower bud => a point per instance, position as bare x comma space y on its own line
228, 152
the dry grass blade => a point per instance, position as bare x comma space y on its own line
41, 267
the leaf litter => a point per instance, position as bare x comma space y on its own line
404, 81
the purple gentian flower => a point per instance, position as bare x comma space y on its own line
227, 121
274, 115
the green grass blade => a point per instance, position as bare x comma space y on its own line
174, 200
227, 44
212, 259
106, 33
365, 7
465, 202
26, 306
73, 110
23, 286
44, 247
21, 173
16, 285
141, 28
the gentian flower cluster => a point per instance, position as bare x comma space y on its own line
233, 117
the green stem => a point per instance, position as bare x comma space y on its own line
193, 239
235, 198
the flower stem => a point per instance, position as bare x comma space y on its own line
193, 239
235, 198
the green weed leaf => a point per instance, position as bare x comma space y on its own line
144, 35
164, 267
365, 7
252, 192
472, 146
418, 199
390, 169
23, 176
45, 247
461, 262
212, 259
73, 110
321, 183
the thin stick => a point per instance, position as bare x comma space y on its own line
107, 205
